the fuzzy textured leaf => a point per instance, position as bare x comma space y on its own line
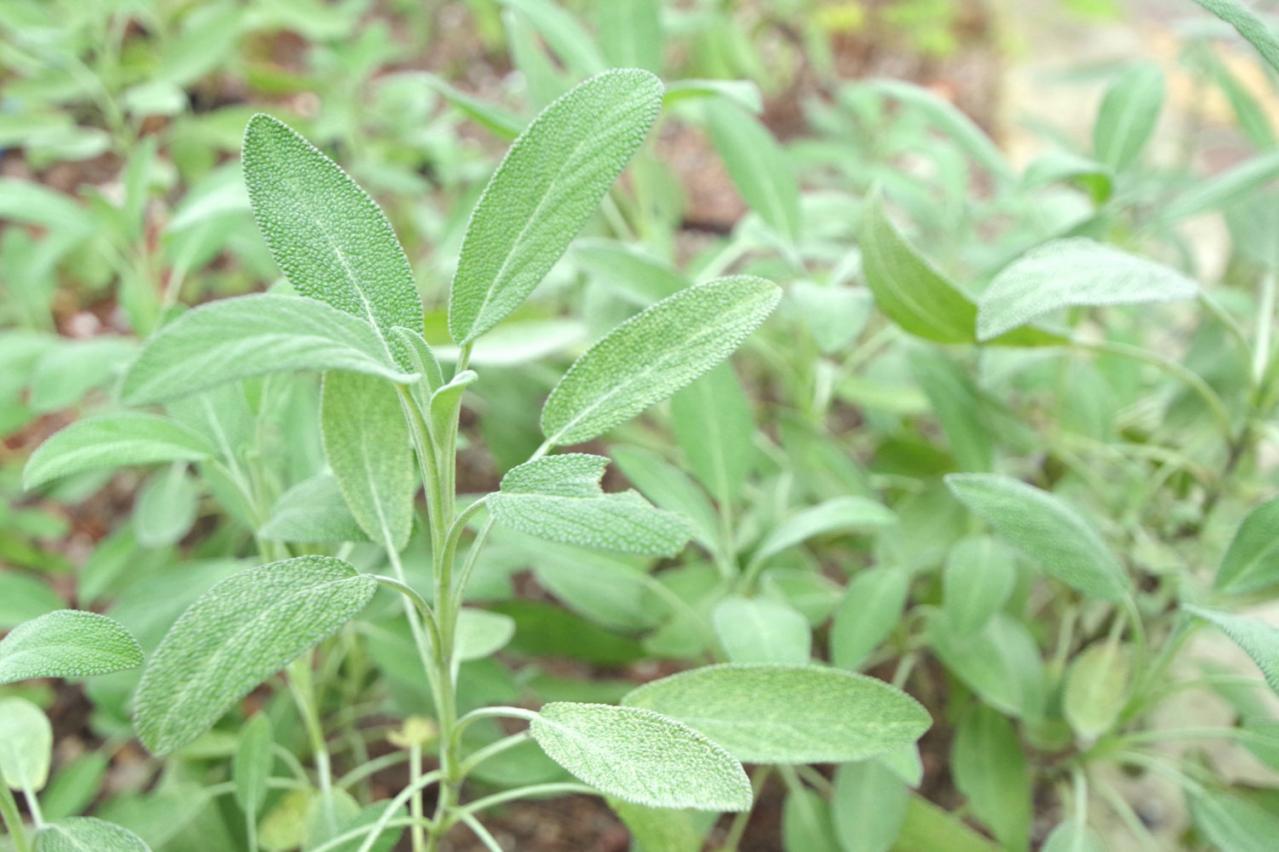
1251, 562
26, 745
872, 607
252, 762
67, 643
840, 514
757, 164
642, 757
1074, 272
788, 714
869, 806
1127, 116
113, 440
312, 512
1046, 529
1258, 639
978, 579
1248, 25
246, 336
713, 424
86, 834
655, 353
330, 238
762, 631
547, 186
235, 636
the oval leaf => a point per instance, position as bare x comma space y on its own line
1046, 529
1251, 562
642, 757
251, 764
86, 834
788, 714
236, 635
113, 440
757, 164
67, 643
762, 631
1128, 115
1258, 639
653, 354
545, 189
26, 745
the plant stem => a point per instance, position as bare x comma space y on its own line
13, 820
33, 807
415, 807
549, 789
299, 678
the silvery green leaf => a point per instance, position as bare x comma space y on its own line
837, 515
642, 757
86, 834
977, 581
758, 166
367, 444
75, 786
236, 635
545, 189
631, 272
1128, 115
1000, 662
446, 402
63, 375
990, 768
1073, 836
423, 359
246, 336
744, 93
520, 342
761, 631
872, 607
312, 512
1069, 273
113, 440
166, 507
608, 588
669, 488
24, 597
1251, 562
1096, 688
806, 822
630, 33
715, 429
251, 764
330, 238
624, 522
26, 744
1046, 529
563, 34
1248, 25
869, 806
1223, 189
481, 633
653, 354
1258, 639
834, 315
1230, 821
788, 714
661, 829
502, 124
563, 475
67, 643
959, 406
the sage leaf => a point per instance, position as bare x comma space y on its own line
26, 745
977, 580
872, 607
1231, 821
840, 514
251, 764
806, 822
481, 633
1258, 639
113, 440
236, 635
545, 189
166, 507
757, 165
661, 829
869, 806
1096, 689
1251, 562
1073, 836
1074, 272
788, 714
761, 631
1046, 529
1223, 189
367, 444
1127, 116
312, 512
67, 643
559, 498
642, 757
630, 33
446, 402
1000, 662
653, 354
330, 238
713, 424
563, 34
86, 834
990, 768
245, 336
671, 489
1248, 25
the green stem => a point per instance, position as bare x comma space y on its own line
493, 749
550, 789
386, 820
489, 841
415, 808
13, 820
737, 830
299, 678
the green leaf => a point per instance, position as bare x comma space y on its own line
1248, 25
330, 238
928, 826
758, 166
834, 315
166, 507
713, 424
990, 768
446, 402
788, 714
762, 631
653, 354
563, 34
1046, 529
669, 488
26, 745
1232, 822
869, 806
1258, 639
1072, 836
246, 336
977, 581
67, 643
642, 757
872, 607
312, 512
236, 635
838, 515
1070, 273
1096, 689
367, 444
547, 186
481, 633
252, 763
660, 829
806, 823
1251, 562
75, 786
1128, 115
1001, 663
494, 119
86, 834
1223, 189
630, 33
23, 598
559, 498
113, 440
